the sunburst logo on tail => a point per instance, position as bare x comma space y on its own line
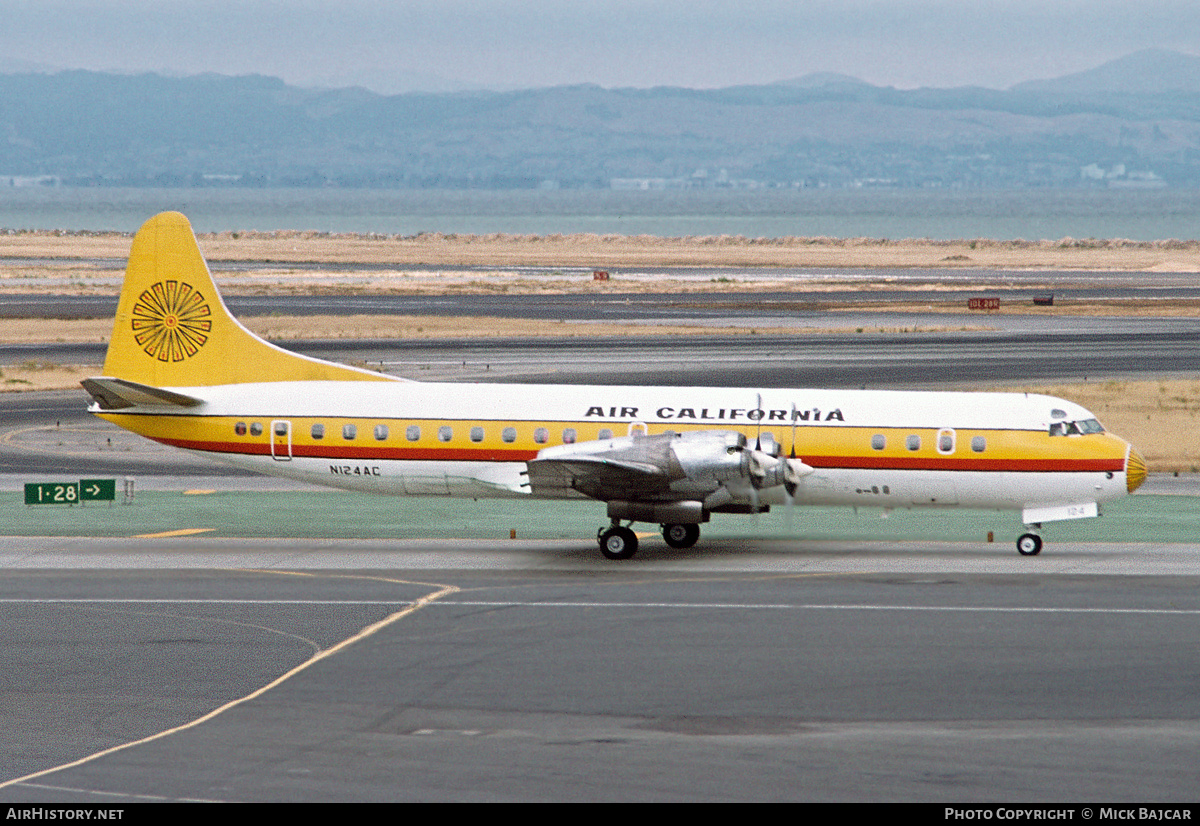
171, 321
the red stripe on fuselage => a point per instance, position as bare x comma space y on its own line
483, 454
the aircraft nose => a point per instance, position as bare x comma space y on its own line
1135, 470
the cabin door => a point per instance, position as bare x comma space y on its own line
281, 440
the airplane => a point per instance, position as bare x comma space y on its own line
182, 371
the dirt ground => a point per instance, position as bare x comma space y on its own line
617, 251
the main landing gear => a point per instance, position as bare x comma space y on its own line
617, 542
681, 536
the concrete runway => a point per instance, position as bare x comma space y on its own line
748, 668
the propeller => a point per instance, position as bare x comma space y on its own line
797, 470
767, 471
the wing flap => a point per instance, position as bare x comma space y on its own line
595, 476
118, 394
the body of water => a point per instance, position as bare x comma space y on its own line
1028, 214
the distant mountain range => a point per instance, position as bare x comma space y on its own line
1153, 71
1134, 122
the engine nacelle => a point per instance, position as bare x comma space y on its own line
711, 456
668, 513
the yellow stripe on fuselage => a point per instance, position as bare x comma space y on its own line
491, 441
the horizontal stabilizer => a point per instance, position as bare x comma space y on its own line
117, 394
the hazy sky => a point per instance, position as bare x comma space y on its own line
389, 45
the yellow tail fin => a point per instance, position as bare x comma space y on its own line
173, 330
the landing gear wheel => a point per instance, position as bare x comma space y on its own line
1029, 544
681, 536
618, 543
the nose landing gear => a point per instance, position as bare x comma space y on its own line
1029, 544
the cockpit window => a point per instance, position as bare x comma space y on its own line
1076, 428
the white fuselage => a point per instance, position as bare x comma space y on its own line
870, 448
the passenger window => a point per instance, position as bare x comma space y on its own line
318, 431
281, 428
476, 434
878, 441
413, 433
349, 432
256, 429
381, 432
240, 428
509, 434
979, 444
541, 435
569, 436
913, 442
945, 441
445, 434
605, 433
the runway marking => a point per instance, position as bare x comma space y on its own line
157, 798
738, 606
8, 436
818, 607
410, 608
180, 532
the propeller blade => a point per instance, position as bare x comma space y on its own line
793, 453
758, 425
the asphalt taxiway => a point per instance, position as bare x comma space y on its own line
1074, 350
541, 674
